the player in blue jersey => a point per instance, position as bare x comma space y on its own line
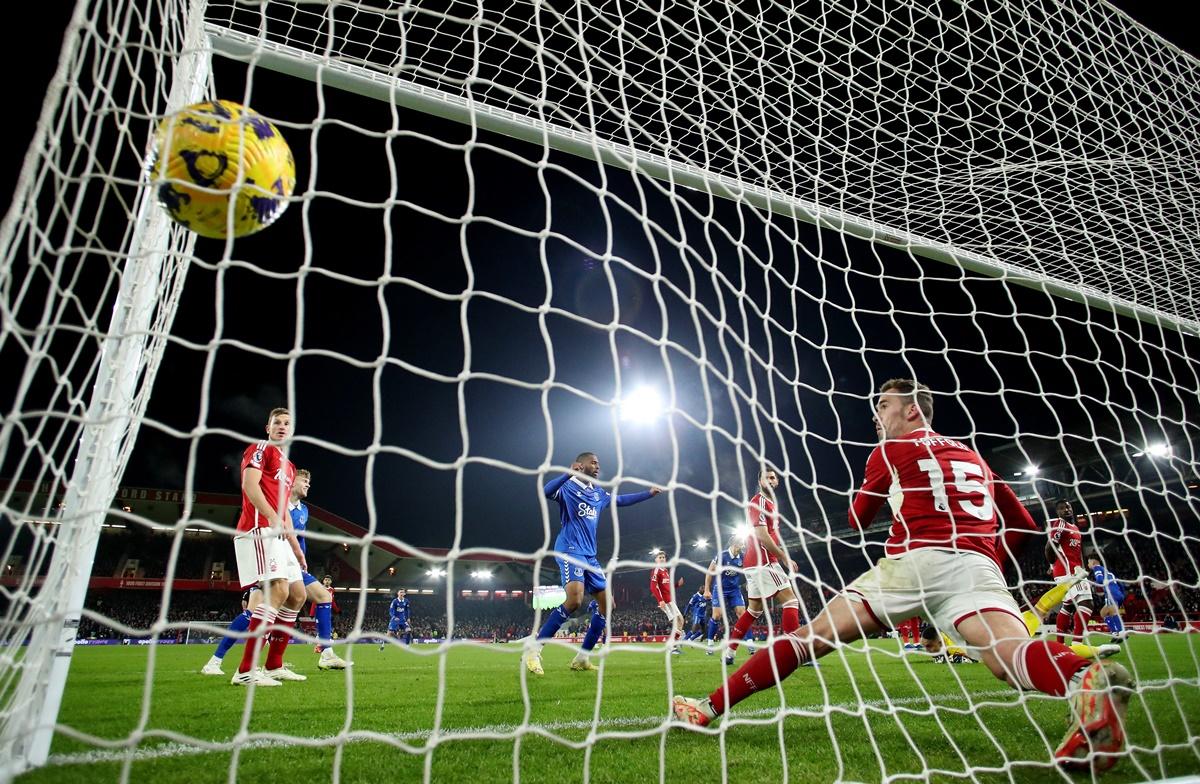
314, 591
398, 615
696, 613
1114, 597
726, 595
581, 501
239, 624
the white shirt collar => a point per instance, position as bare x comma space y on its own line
295, 504
582, 483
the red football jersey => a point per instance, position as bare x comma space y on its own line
1068, 543
278, 475
660, 584
760, 513
942, 494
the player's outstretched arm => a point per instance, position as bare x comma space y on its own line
636, 498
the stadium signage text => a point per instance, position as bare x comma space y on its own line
147, 494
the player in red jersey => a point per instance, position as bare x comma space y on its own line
767, 564
660, 589
942, 561
1064, 551
268, 552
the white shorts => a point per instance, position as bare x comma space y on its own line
1081, 590
671, 610
763, 582
942, 586
264, 555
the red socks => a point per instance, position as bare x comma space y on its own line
1064, 623
262, 616
791, 617
1046, 667
763, 670
741, 627
280, 638
1081, 621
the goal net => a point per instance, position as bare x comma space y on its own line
692, 239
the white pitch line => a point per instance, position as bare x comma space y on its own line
489, 732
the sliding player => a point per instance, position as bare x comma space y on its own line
581, 501
941, 560
941, 647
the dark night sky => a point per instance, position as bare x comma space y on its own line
983, 335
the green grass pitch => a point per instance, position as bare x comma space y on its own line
866, 714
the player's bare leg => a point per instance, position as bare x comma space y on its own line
1098, 692
843, 620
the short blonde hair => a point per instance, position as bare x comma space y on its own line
276, 412
303, 472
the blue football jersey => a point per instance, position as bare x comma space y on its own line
1104, 578
695, 604
300, 523
580, 504
729, 572
399, 609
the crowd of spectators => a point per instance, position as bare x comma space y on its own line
1160, 578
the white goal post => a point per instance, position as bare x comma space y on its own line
789, 173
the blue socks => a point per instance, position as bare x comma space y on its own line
713, 627
1115, 625
238, 624
324, 615
558, 616
595, 629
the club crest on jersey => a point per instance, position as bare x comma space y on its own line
272, 565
